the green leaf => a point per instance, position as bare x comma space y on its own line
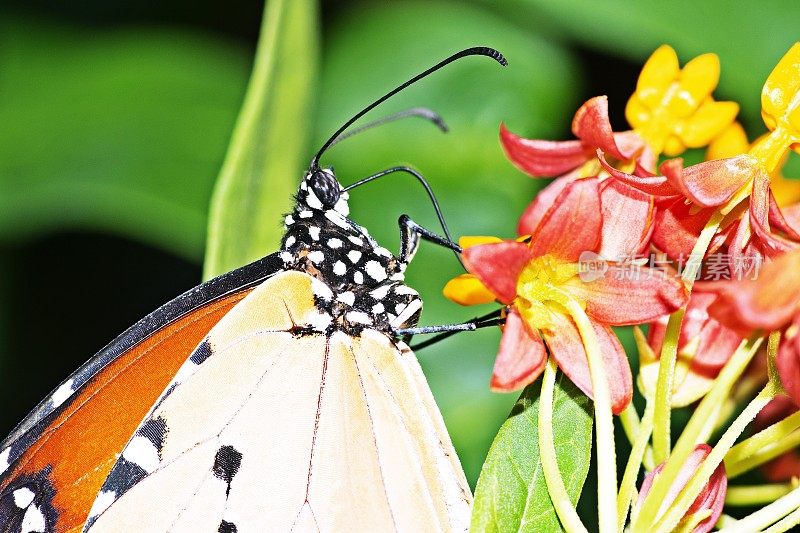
268, 150
120, 131
512, 493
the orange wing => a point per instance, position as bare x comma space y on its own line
57, 459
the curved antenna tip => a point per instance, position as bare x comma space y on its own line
488, 52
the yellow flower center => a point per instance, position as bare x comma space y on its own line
538, 292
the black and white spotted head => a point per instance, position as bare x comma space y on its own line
366, 280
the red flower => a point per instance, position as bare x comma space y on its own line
539, 280
711, 498
569, 161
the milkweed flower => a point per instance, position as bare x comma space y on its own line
540, 278
707, 507
687, 197
672, 108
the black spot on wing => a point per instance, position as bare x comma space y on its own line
123, 476
227, 463
155, 430
202, 353
227, 527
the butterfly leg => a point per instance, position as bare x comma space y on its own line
447, 330
410, 235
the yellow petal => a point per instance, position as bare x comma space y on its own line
636, 113
708, 122
781, 89
468, 241
673, 146
700, 76
732, 141
659, 71
466, 289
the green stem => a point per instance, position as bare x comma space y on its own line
787, 523
763, 438
719, 391
750, 495
628, 485
776, 449
689, 493
767, 515
630, 422
669, 350
606, 454
547, 451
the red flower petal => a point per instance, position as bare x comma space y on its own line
760, 212
543, 158
677, 228
592, 125
710, 183
786, 220
628, 294
573, 223
498, 266
541, 204
655, 185
768, 303
627, 221
521, 357
566, 345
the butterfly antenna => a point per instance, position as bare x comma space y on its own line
422, 112
475, 51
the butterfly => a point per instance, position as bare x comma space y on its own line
279, 396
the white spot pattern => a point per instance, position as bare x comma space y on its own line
23, 497
358, 277
339, 268
62, 393
335, 243
141, 451
314, 232
316, 256
4, 463
375, 270
33, 521
354, 255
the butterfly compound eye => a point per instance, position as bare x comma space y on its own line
326, 187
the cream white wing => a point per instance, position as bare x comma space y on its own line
278, 424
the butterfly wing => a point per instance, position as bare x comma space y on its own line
55, 461
274, 425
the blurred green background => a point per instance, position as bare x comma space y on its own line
115, 119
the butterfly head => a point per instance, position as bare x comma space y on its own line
320, 190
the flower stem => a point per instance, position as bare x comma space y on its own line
628, 486
669, 350
606, 454
547, 451
763, 439
773, 450
748, 495
719, 391
787, 523
768, 514
689, 493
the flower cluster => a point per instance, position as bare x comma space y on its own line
622, 202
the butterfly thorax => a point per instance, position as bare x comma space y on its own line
366, 280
